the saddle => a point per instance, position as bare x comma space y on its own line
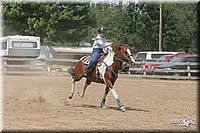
106, 59
87, 60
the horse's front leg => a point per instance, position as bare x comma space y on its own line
103, 100
114, 93
87, 83
121, 106
72, 91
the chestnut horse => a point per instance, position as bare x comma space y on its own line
111, 64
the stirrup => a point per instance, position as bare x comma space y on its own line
85, 73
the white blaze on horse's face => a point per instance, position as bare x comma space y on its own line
130, 55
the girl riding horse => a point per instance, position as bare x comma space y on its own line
98, 45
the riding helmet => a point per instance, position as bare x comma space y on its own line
102, 29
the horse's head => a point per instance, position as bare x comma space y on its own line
123, 52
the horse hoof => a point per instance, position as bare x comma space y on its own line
70, 95
123, 109
103, 107
80, 94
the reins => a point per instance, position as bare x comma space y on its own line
123, 62
116, 74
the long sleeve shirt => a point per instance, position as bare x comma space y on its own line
100, 42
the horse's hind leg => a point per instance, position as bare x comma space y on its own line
72, 91
87, 83
103, 100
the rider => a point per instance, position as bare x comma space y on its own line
98, 45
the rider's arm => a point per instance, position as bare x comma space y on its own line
102, 44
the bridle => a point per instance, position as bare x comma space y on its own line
127, 57
125, 62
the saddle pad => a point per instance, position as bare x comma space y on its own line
87, 60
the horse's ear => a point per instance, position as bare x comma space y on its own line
120, 46
116, 48
124, 47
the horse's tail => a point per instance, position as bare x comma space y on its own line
71, 71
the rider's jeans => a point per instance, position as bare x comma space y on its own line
95, 56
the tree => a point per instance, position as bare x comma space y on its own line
55, 22
198, 29
135, 24
138, 25
180, 27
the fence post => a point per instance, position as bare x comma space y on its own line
44, 66
143, 66
5, 65
188, 69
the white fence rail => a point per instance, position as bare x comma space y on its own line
147, 72
30, 66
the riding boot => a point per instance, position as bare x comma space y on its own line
99, 75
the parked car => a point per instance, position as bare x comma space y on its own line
147, 56
167, 69
152, 55
164, 58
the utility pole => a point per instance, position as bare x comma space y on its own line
160, 29
198, 33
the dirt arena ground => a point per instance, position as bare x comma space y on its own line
41, 103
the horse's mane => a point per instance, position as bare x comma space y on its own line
118, 46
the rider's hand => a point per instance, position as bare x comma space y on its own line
109, 48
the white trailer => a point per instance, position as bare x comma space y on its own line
20, 46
